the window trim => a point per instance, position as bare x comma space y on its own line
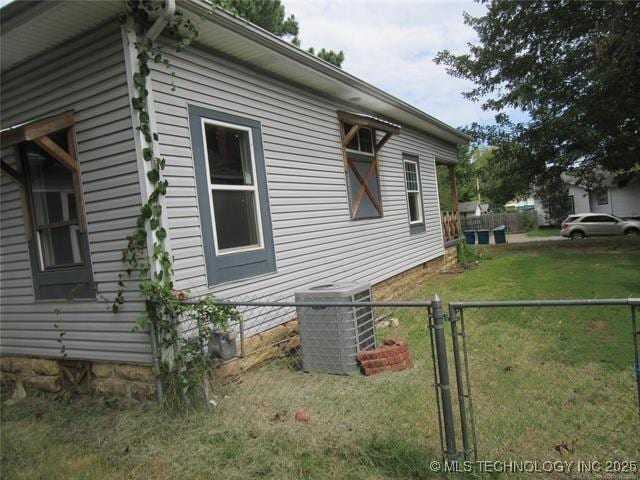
222, 268
573, 204
415, 226
243, 188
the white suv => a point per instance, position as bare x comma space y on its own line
583, 225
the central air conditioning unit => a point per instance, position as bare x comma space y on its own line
331, 337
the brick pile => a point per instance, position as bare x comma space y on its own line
393, 356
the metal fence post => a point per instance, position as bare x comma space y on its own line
459, 381
443, 374
636, 364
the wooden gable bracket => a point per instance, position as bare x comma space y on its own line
57, 152
349, 136
382, 141
12, 173
38, 132
18, 178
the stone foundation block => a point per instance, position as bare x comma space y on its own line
142, 391
114, 387
134, 373
43, 383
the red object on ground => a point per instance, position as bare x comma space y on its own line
301, 416
393, 356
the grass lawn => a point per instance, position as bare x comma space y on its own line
544, 232
540, 379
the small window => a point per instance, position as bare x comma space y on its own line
603, 198
414, 196
362, 141
232, 195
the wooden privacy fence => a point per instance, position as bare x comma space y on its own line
516, 222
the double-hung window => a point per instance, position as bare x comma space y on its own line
232, 195
415, 209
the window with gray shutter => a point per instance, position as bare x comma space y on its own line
360, 147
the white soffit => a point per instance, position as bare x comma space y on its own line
30, 28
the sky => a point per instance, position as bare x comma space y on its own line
391, 44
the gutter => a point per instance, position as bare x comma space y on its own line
243, 27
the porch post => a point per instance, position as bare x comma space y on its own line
454, 200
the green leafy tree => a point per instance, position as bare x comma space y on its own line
574, 68
270, 15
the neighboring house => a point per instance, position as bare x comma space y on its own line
622, 200
472, 209
263, 199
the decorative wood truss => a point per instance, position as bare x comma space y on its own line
358, 122
39, 132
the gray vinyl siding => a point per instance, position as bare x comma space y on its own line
315, 239
86, 75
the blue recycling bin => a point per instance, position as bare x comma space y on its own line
483, 237
470, 236
499, 234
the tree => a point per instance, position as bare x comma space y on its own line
270, 15
329, 56
574, 68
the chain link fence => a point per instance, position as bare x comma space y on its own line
547, 380
504, 381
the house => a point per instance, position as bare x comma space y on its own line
271, 186
472, 209
616, 198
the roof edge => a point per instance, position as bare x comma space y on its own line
241, 26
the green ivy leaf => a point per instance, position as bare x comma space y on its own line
154, 223
146, 211
161, 234
147, 154
153, 175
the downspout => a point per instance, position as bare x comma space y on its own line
131, 66
166, 15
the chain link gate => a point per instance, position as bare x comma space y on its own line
548, 394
